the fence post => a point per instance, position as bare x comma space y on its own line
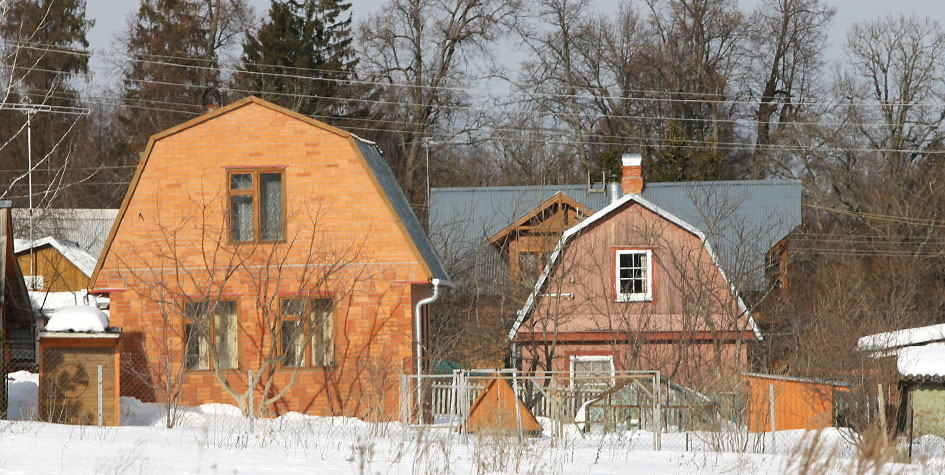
881, 403
453, 403
518, 410
252, 408
774, 441
659, 411
404, 390
100, 396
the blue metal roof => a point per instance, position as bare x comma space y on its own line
742, 219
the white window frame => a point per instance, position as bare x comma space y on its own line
636, 296
590, 358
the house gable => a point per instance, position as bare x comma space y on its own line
286, 146
607, 213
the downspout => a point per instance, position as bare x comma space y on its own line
418, 323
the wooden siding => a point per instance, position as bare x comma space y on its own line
797, 404
68, 380
59, 274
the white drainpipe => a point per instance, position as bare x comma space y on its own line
418, 323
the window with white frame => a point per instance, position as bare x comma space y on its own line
593, 371
634, 275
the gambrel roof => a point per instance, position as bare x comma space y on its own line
603, 215
743, 218
372, 159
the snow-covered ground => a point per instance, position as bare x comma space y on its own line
215, 438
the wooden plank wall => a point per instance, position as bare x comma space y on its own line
69, 384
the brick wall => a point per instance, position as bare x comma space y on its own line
174, 228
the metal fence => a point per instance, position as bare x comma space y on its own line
763, 418
18, 366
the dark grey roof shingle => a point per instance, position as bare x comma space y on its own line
397, 199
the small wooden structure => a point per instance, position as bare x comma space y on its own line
922, 382
494, 411
70, 390
55, 265
799, 403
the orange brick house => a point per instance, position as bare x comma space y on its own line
253, 238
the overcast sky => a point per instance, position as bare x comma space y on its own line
111, 16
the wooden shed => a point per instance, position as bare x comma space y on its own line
799, 403
494, 411
70, 390
922, 370
54, 265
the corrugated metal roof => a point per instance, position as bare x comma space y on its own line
742, 219
397, 199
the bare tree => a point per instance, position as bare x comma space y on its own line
290, 323
782, 66
425, 52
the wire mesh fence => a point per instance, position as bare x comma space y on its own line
761, 413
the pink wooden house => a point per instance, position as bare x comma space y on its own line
634, 287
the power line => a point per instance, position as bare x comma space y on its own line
600, 138
884, 217
703, 97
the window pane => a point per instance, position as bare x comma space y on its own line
241, 181
293, 307
632, 273
225, 335
270, 214
323, 348
293, 347
196, 353
241, 218
593, 372
529, 266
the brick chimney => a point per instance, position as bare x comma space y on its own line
632, 181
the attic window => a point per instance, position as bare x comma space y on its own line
634, 275
257, 205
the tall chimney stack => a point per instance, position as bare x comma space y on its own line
632, 180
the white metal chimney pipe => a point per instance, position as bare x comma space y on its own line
613, 189
418, 323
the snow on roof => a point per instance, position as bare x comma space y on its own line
49, 302
900, 338
918, 361
77, 318
70, 250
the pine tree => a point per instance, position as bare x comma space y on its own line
42, 60
301, 56
174, 49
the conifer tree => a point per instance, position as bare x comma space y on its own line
43, 60
301, 56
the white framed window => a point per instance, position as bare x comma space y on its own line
592, 371
633, 275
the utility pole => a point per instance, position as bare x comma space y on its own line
30, 110
428, 142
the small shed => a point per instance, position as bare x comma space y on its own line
923, 388
79, 368
799, 403
54, 265
494, 411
